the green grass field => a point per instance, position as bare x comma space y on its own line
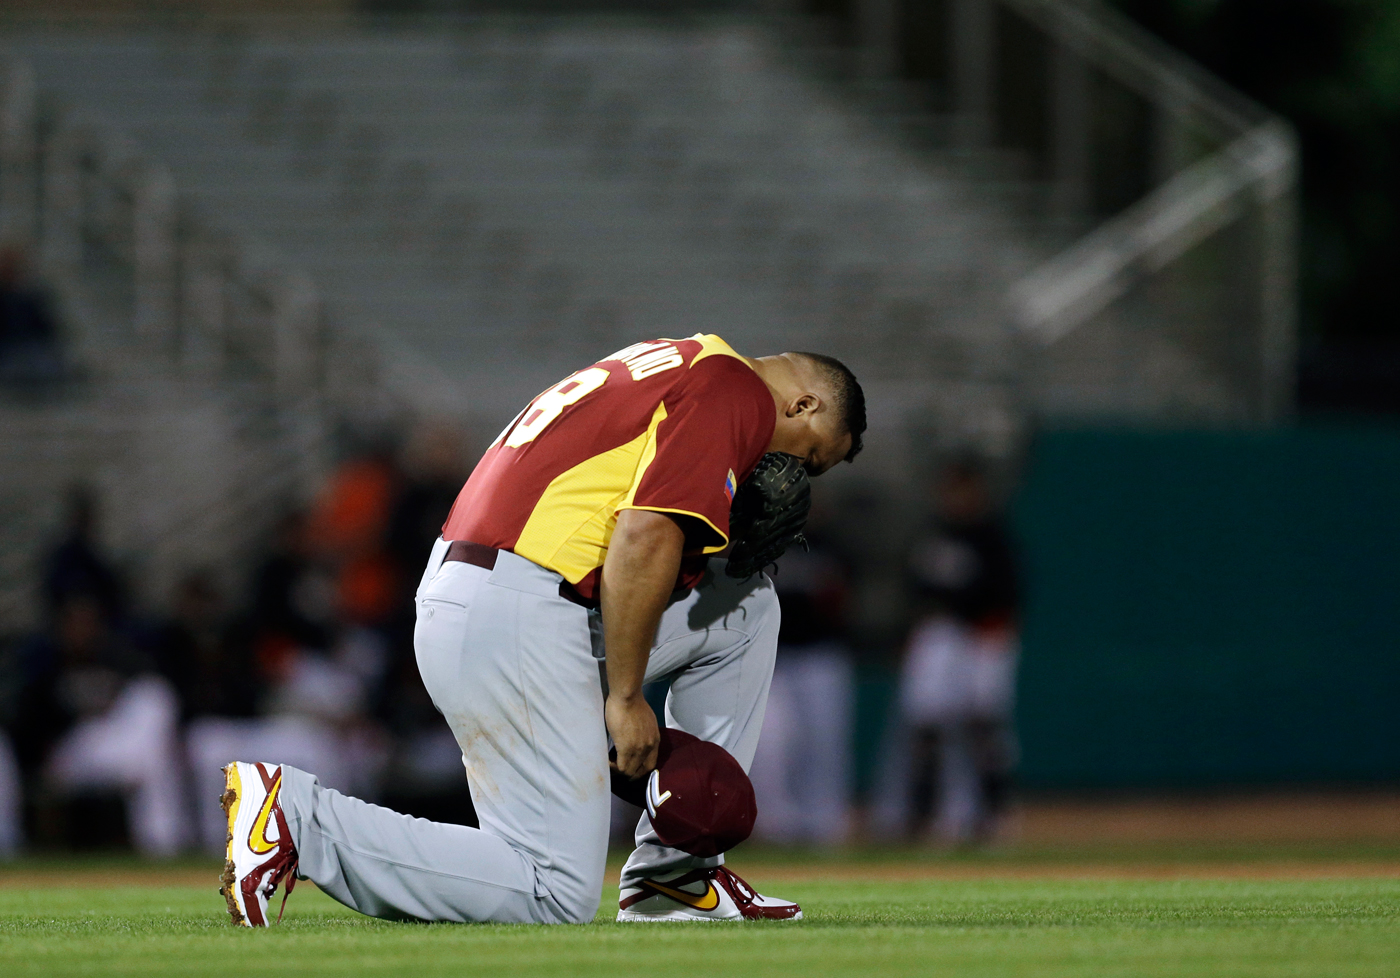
1043, 914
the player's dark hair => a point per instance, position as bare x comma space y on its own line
845, 391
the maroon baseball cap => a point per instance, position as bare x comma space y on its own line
699, 798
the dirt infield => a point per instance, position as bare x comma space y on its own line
108, 877
1263, 837
1372, 817
1263, 870
820, 870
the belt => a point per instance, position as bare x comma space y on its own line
480, 555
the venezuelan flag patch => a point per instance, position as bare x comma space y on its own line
730, 485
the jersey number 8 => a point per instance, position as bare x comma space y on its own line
552, 403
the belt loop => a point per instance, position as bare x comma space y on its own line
435, 559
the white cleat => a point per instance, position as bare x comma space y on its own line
701, 894
260, 851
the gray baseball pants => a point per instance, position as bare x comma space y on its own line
517, 671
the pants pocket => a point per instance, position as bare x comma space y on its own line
438, 638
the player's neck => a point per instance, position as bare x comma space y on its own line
780, 374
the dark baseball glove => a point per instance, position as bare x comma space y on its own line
768, 513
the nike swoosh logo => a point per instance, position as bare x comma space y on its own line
708, 901
257, 836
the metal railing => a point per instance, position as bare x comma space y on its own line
1181, 306
183, 301
1167, 200
209, 304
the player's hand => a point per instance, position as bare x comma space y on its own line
634, 732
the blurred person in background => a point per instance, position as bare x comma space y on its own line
213, 674
348, 533
292, 604
11, 785
434, 466
195, 651
425, 776
95, 717
75, 565
11, 800
30, 347
91, 715
801, 770
957, 685
301, 688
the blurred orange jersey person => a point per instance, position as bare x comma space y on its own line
347, 529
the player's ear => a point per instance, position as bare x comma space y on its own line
804, 405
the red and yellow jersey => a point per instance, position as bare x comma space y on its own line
668, 425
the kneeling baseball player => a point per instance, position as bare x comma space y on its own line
576, 565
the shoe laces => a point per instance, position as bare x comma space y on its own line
742, 893
289, 870
287, 863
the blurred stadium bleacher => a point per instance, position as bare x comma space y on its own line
259, 227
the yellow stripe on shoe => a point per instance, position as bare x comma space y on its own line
228, 879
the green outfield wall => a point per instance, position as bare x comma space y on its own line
1211, 608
